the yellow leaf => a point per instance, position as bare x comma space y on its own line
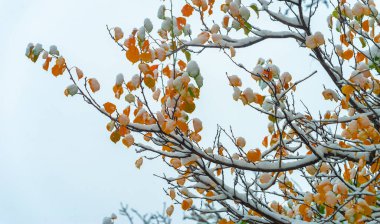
347, 90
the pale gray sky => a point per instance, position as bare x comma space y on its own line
57, 164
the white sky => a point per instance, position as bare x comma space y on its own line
57, 164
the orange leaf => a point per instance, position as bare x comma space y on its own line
346, 174
133, 54
139, 162
118, 90
220, 151
182, 125
187, 10
166, 148
46, 64
56, 70
149, 81
109, 107
188, 106
145, 45
254, 155
127, 111
348, 54
94, 85
197, 3
115, 137
224, 221
347, 90
377, 38
186, 204
365, 26
123, 119
226, 20
181, 64
176, 163
343, 39
79, 73
181, 22
260, 99
123, 130
344, 104
172, 194
130, 42
148, 136
265, 141
59, 67
209, 194
169, 210
303, 209
153, 68
181, 181
218, 172
146, 57
128, 140
166, 71
375, 166
359, 57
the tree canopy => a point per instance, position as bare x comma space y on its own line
312, 166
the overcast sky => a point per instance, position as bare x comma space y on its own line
57, 164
